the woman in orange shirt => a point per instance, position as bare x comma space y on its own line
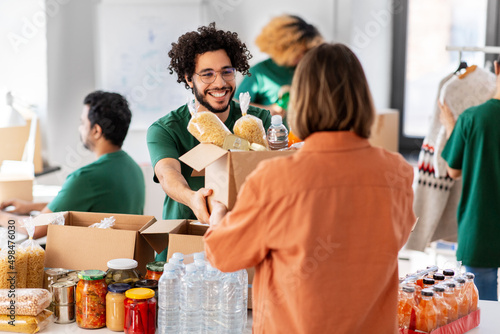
323, 226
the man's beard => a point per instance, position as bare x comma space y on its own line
201, 100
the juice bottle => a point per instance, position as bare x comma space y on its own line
451, 300
426, 314
406, 305
441, 306
471, 291
461, 293
428, 282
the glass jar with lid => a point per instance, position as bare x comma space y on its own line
154, 270
91, 299
122, 271
140, 311
115, 309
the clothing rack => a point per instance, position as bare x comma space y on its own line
485, 49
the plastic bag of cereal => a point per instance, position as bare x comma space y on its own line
206, 126
249, 127
35, 256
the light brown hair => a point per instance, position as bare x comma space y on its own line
330, 93
287, 38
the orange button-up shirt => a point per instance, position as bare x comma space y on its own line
323, 228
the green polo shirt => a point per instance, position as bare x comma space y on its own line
474, 148
114, 183
265, 82
168, 137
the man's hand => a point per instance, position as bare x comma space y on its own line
447, 118
199, 204
21, 207
219, 210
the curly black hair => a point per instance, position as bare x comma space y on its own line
111, 112
206, 39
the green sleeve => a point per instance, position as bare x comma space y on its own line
76, 194
161, 144
250, 85
453, 151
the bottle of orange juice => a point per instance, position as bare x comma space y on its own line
438, 278
471, 292
406, 305
426, 314
441, 306
448, 274
461, 293
451, 299
428, 282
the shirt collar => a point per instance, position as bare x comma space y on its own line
334, 141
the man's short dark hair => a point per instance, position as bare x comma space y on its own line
111, 112
206, 39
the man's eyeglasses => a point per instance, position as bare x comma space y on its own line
209, 76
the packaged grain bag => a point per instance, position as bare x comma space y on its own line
249, 127
35, 257
206, 126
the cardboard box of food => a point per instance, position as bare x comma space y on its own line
186, 237
16, 186
225, 171
76, 246
385, 130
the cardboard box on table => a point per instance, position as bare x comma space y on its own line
185, 237
16, 186
76, 246
225, 171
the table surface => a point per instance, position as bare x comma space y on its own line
490, 323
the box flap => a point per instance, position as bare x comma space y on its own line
157, 233
75, 218
49, 218
68, 247
202, 155
185, 244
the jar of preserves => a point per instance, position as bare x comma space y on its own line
91, 299
122, 271
154, 270
115, 308
140, 311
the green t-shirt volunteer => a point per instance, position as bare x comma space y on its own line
474, 148
168, 137
265, 82
114, 183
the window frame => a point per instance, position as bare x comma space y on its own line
408, 145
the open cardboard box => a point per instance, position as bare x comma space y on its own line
76, 246
186, 237
225, 171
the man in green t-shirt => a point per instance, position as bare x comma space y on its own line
114, 183
473, 153
206, 61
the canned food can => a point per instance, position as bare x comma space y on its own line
64, 314
63, 292
52, 275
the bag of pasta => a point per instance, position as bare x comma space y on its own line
35, 257
249, 127
13, 262
206, 126
25, 323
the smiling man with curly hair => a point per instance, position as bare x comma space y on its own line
206, 61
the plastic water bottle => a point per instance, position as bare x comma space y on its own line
199, 255
200, 266
169, 288
179, 267
191, 309
232, 304
243, 277
277, 134
212, 296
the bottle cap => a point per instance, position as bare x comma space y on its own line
122, 264
169, 267
155, 266
139, 293
407, 288
438, 288
276, 120
199, 255
460, 279
178, 256
450, 284
427, 292
470, 275
438, 277
147, 283
91, 275
448, 272
119, 287
428, 280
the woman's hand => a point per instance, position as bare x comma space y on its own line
219, 210
447, 118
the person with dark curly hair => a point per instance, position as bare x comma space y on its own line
114, 183
286, 39
206, 61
